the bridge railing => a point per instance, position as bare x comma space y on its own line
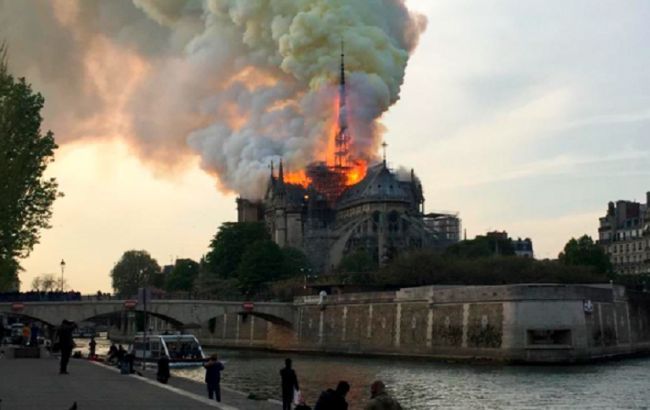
72, 296
39, 296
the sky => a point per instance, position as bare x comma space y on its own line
520, 116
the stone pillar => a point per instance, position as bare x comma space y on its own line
250, 341
629, 325
398, 325
465, 323
320, 327
225, 326
615, 315
369, 332
237, 332
345, 323
600, 323
429, 326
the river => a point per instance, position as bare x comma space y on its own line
426, 384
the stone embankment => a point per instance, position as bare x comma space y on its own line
531, 323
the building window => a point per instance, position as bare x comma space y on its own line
549, 337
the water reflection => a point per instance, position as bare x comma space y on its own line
424, 385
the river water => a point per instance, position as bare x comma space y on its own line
424, 384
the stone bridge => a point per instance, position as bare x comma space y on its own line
180, 313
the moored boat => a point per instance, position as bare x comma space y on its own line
182, 350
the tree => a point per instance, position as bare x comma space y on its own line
182, 276
135, 269
261, 263
585, 252
230, 243
295, 262
424, 267
482, 247
357, 262
26, 196
48, 282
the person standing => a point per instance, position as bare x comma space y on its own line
334, 399
112, 353
92, 345
26, 335
213, 369
66, 344
380, 399
289, 384
33, 335
163, 369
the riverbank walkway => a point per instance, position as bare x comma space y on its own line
35, 384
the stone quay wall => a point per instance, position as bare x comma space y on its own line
528, 323
514, 323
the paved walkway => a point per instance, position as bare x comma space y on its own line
36, 384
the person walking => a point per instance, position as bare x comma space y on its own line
334, 399
289, 384
380, 399
66, 344
163, 369
213, 369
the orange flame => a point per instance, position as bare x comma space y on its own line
355, 170
297, 178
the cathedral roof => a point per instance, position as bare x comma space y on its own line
379, 184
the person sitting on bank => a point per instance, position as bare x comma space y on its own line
213, 370
334, 399
163, 369
379, 398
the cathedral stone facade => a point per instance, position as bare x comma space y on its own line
383, 214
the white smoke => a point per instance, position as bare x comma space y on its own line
239, 82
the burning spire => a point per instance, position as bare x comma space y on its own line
342, 141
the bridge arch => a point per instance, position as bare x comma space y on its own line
276, 320
30, 318
118, 315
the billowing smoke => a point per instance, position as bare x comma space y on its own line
238, 82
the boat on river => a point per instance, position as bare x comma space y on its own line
182, 350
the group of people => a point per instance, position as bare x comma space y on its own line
25, 335
213, 368
332, 399
40, 296
120, 357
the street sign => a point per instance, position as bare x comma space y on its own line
130, 304
17, 307
248, 306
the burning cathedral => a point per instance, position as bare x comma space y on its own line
345, 206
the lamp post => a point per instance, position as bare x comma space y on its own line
306, 272
62, 269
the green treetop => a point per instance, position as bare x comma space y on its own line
26, 196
